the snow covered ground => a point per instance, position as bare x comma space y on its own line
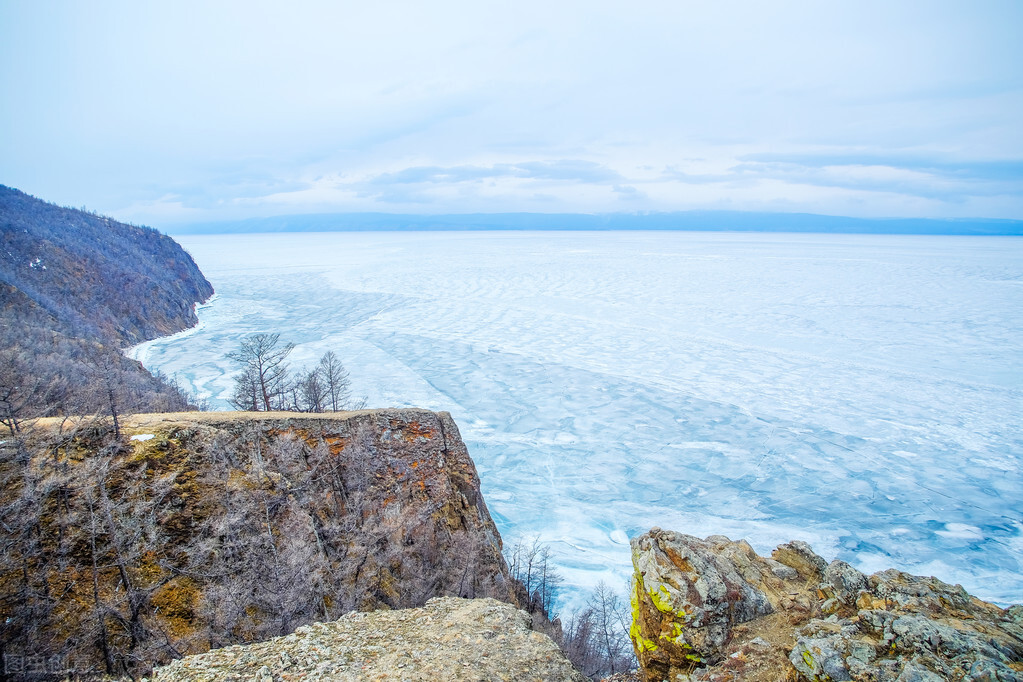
862, 393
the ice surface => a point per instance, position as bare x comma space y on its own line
861, 393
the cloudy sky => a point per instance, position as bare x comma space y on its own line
170, 112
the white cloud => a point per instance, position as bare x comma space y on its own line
165, 209
239, 107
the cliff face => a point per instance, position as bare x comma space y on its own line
75, 288
202, 530
448, 639
714, 610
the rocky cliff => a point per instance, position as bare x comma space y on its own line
714, 610
448, 639
200, 530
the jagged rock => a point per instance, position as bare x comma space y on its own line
843, 582
448, 639
687, 594
821, 621
801, 557
820, 658
781, 570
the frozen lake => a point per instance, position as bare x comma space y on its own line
862, 393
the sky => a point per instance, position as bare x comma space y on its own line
173, 112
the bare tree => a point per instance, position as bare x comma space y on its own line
578, 638
108, 373
611, 628
265, 382
12, 397
246, 392
531, 564
23, 391
596, 639
336, 381
265, 371
549, 583
312, 391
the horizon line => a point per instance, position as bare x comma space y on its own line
704, 220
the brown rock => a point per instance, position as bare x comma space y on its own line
800, 556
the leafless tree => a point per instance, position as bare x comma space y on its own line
336, 381
265, 370
312, 391
24, 391
578, 642
611, 623
109, 376
265, 382
596, 638
246, 392
530, 562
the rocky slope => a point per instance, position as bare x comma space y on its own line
201, 530
75, 288
448, 639
714, 610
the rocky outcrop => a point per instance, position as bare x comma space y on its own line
200, 530
448, 639
714, 610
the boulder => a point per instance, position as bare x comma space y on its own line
687, 594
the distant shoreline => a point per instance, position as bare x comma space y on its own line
687, 221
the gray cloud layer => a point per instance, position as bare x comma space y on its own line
192, 111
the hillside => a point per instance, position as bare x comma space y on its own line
202, 530
75, 288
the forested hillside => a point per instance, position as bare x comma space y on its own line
75, 288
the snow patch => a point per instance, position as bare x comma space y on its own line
961, 531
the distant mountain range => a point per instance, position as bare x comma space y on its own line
734, 221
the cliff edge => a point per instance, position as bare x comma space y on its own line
195, 531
